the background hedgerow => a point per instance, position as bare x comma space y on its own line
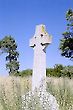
57, 71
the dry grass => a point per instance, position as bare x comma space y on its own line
61, 88
8, 82
60, 81
12, 88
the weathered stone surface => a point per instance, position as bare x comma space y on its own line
39, 95
39, 100
39, 42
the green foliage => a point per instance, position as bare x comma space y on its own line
49, 72
66, 43
23, 73
27, 72
68, 71
60, 71
57, 71
13, 66
8, 45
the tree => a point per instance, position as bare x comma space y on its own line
58, 70
8, 45
66, 43
68, 71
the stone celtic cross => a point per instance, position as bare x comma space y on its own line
47, 101
39, 42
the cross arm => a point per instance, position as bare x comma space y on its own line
32, 42
46, 40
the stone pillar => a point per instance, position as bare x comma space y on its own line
39, 42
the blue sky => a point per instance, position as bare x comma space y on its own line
18, 18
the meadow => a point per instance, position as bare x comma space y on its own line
13, 88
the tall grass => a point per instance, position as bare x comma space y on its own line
62, 89
11, 91
13, 88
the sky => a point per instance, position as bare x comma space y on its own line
19, 18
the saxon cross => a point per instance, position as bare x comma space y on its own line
39, 42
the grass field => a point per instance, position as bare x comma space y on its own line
12, 88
